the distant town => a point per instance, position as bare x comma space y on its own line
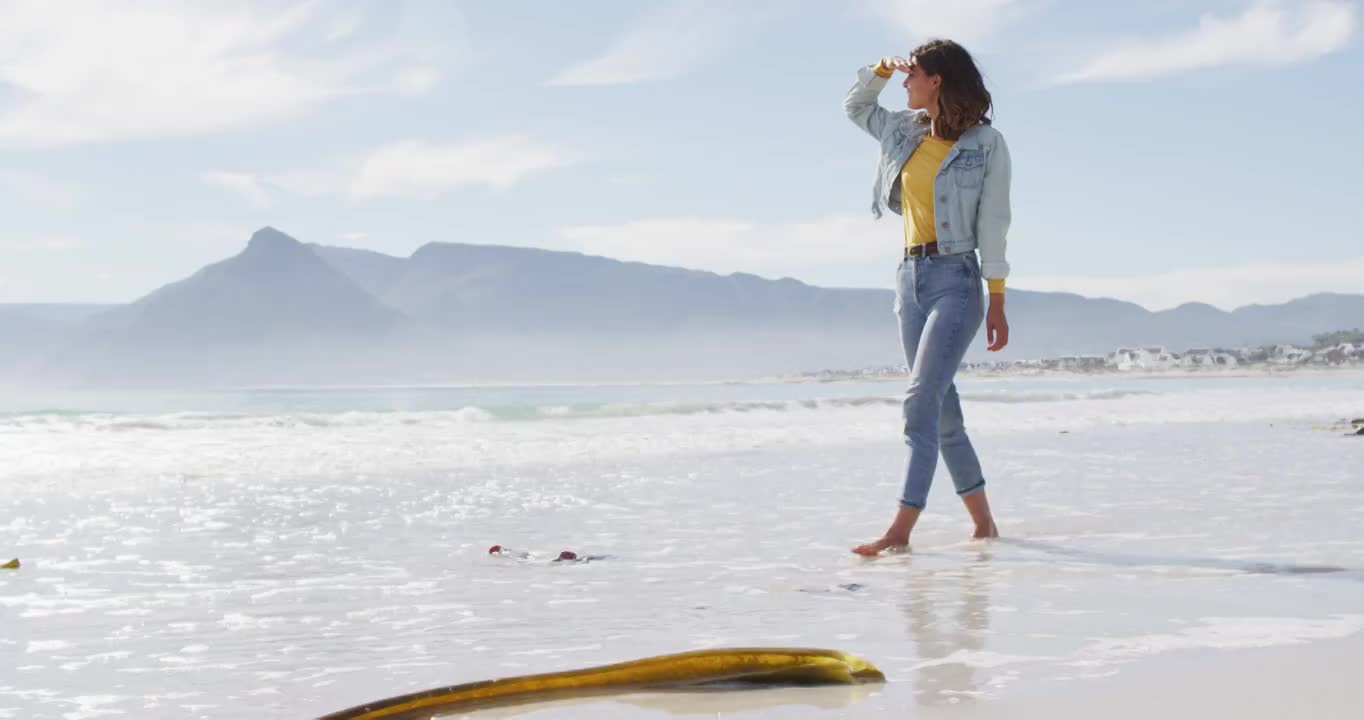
1343, 349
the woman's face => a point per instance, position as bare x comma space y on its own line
922, 87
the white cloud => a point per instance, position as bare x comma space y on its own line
820, 251
424, 169
262, 190
247, 186
310, 183
1268, 33
31, 190
55, 243
966, 21
665, 43
417, 80
84, 71
1227, 288
344, 26
413, 168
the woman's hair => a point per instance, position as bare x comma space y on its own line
963, 101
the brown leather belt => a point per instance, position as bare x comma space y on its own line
922, 250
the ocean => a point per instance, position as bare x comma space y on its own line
286, 552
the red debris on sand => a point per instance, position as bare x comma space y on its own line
568, 555
494, 549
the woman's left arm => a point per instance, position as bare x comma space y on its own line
992, 228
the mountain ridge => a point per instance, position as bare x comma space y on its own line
453, 311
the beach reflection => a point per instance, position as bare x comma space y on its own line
948, 613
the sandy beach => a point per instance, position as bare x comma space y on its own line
1188, 549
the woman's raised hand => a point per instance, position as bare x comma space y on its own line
895, 62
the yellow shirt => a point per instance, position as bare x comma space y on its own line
916, 189
916, 195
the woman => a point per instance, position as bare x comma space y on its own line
946, 170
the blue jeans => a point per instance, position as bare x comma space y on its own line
940, 304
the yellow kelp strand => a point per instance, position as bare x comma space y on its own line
777, 666
11, 565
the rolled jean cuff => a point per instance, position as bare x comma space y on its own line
973, 489
911, 504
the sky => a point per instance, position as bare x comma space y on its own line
1164, 152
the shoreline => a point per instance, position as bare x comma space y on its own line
836, 376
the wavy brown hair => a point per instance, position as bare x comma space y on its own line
963, 101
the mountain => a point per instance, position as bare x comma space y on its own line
374, 272
285, 312
277, 288
24, 323
483, 288
275, 311
27, 331
1196, 324
1314, 314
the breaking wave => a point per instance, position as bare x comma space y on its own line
115, 422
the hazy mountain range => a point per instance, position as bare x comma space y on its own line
285, 312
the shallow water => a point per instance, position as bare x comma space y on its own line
223, 557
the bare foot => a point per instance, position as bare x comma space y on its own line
872, 549
896, 537
988, 532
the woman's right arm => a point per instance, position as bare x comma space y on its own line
861, 105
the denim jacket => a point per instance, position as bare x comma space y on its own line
971, 191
